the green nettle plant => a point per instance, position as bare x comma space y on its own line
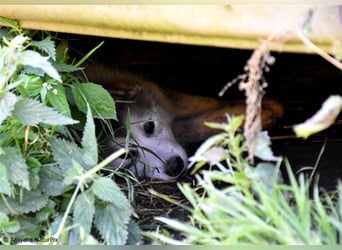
51, 190
236, 203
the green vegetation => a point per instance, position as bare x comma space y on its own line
51, 189
235, 203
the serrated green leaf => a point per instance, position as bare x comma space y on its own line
51, 180
65, 152
31, 85
84, 210
29, 228
89, 142
47, 212
34, 59
16, 167
29, 70
59, 100
46, 45
72, 173
112, 223
263, 148
100, 101
70, 236
31, 201
5, 187
9, 22
107, 190
32, 112
134, 233
7, 102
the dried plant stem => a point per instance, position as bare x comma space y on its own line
254, 90
319, 51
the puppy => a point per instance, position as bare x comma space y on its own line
159, 124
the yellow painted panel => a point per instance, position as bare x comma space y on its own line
233, 26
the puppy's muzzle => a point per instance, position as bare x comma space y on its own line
174, 166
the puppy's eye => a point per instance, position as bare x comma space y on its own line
149, 127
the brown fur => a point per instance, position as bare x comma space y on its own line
188, 112
163, 124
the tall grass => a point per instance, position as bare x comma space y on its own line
236, 203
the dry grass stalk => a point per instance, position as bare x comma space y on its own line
253, 85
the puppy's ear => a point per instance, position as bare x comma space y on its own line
118, 84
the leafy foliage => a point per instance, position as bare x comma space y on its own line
31, 112
113, 223
50, 184
98, 99
235, 203
16, 167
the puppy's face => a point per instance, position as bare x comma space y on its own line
153, 150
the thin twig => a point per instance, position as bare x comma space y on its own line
319, 51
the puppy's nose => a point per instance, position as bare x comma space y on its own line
174, 166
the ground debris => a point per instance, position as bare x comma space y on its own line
147, 205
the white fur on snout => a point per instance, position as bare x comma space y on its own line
155, 150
